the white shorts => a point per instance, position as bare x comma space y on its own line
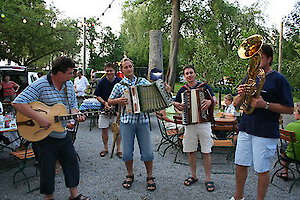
105, 120
255, 151
197, 132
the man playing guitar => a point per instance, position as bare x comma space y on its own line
52, 89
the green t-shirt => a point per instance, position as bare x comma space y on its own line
295, 127
170, 112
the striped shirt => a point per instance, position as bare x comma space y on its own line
8, 88
118, 91
43, 91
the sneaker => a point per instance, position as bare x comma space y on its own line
232, 198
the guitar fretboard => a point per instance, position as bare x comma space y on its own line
74, 116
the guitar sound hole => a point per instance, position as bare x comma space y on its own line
40, 110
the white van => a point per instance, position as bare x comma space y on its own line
18, 74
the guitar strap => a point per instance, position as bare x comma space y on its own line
65, 89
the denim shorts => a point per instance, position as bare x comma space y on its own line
142, 132
255, 151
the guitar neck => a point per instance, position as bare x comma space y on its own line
74, 116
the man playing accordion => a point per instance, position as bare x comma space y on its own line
133, 125
197, 131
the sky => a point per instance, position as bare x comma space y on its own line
275, 10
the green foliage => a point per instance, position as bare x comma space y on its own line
104, 46
27, 43
211, 32
291, 47
139, 19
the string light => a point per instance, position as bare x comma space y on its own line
109, 6
24, 19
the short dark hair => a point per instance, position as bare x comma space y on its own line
268, 51
61, 64
5, 76
110, 65
189, 67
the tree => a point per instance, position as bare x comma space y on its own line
174, 44
26, 43
291, 47
210, 33
103, 44
139, 18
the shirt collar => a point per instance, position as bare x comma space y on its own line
130, 82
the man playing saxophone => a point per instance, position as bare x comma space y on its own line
259, 131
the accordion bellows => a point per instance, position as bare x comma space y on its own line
150, 98
192, 113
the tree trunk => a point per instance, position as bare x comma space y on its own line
155, 51
174, 44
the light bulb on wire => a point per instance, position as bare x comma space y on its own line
24, 21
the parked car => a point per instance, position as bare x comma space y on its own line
18, 74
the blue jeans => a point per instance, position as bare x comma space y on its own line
142, 132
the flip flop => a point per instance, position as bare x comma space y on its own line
103, 153
210, 186
119, 154
283, 175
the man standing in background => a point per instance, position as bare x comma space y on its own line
81, 84
102, 92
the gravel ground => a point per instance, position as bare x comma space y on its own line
101, 178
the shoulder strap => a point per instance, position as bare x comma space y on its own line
198, 86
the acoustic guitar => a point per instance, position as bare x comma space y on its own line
31, 130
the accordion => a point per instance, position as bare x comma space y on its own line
192, 113
150, 98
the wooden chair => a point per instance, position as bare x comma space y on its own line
287, 137
169, 137
229, 128
22, 158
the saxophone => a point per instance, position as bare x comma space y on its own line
251, 48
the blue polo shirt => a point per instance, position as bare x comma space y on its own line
263, 122
44, 91
105, 87
183, 88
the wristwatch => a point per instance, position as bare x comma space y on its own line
267, 105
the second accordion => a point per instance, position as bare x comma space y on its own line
193, 113
150, 98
